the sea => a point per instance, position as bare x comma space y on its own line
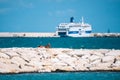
62, 42
63, 76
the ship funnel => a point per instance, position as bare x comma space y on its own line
71, 19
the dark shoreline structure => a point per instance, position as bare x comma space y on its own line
106, 34
62, 71
39, 60
35, 34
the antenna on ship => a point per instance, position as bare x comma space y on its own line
82, 20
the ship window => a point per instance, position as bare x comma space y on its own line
73, 32
87, 31
61, 29
61, 26
62, 33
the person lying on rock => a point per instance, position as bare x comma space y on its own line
46, 46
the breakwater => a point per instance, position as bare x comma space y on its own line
26, 34
17, 60
35, 34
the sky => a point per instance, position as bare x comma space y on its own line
46, 15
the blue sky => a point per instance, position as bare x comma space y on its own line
45, 15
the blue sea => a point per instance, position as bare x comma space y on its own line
63, 76
64, 42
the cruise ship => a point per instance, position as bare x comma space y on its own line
73, 29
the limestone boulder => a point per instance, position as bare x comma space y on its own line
5, 60
93, 58
27, 68
78, 53
11, 53
113, 53
117, 64
18, 60
97, 53
83, 62
86, 56
117, 58
104, 66
95, 62
67, 68
3, 55
108, 59
8, 68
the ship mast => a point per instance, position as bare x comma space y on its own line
82, 20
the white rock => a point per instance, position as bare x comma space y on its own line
79, 53
59, 64
98, 61
55, 60
108, 59
93, 58
8, 68
66, 68
80, 67
47, 60
86, 56
17, 60
104, 66
35, 62
117, 58
113, 53
117, 64
83, 62
3, 55
63, 56
5, 60
29, 68
97, 53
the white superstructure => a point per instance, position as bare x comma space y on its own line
74, 29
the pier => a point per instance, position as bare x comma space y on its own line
51, 34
